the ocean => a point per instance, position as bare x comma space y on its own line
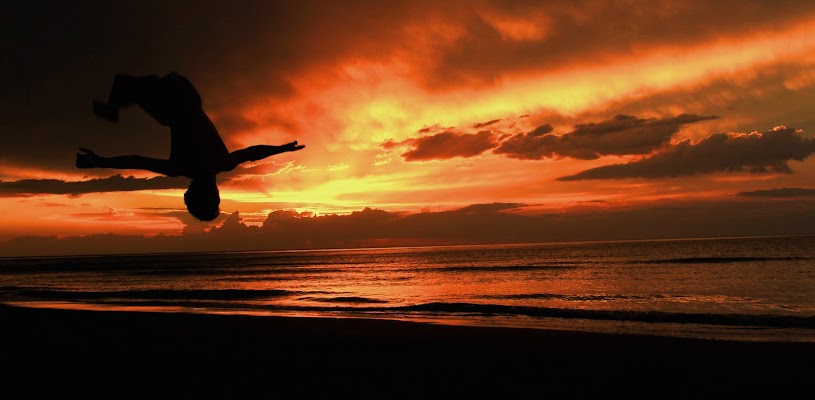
750, 289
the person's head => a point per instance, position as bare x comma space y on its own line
202, 198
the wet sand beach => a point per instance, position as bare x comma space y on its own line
120, 353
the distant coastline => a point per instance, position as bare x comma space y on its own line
52, 246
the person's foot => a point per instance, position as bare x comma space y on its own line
106, 111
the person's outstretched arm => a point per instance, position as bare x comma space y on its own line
261, 151
89, 159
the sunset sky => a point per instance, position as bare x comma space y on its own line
594, 116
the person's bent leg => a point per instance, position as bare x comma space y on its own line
126, 90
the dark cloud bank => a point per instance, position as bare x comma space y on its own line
755, 153
449, 144
621, 135
779, 193
476, 224
116, 183
626, 135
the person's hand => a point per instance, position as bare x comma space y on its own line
293, 146
86, 159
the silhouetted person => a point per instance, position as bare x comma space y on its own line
196, 149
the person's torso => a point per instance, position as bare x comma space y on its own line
196, 146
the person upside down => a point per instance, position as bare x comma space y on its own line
196, 148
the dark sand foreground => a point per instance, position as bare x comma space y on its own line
126, 354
